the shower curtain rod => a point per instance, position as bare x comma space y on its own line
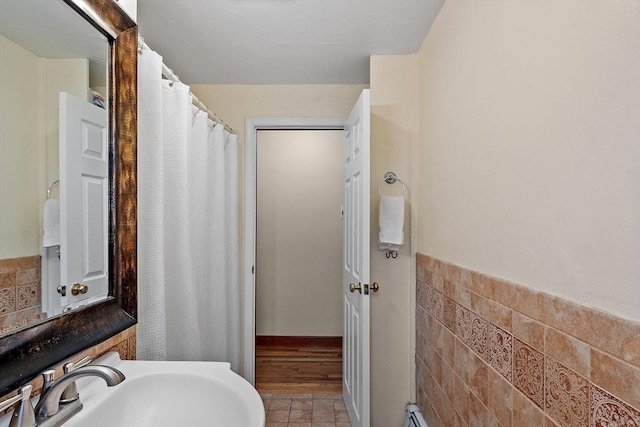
170, 75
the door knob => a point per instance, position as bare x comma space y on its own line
78, 288
353, 287
375, 287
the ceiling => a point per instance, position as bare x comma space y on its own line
51, 29
282, 41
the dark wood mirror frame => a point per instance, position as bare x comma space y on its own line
24, 354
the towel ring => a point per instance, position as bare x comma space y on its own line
53, 184
391, 178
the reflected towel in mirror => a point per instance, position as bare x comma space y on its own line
51, 223
391, 222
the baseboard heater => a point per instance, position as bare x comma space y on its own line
414, 417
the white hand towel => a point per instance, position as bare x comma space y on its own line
391, 222
51, 223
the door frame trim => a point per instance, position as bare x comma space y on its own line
253, 125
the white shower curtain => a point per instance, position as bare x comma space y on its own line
188, 290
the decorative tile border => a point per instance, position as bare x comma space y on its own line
605, 407
528, 372
7, 300
500, 351
571, 362
19, 292
28, 296
19, 283
566, 395
479, 335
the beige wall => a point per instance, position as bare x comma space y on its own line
529, 152
19, 176
29, 139
236, 103
299, 233
393, 130
61, 75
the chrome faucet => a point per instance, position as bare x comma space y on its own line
51, 412
23, 416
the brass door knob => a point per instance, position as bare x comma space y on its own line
375, 287
353, 287
78, 288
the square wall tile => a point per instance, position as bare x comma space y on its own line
566, 395
131, 343
463, 324
525, 413
500, 397
569, 351
435, 306
528, 372
7, 300
616, 376
492, 311
29, 262
421, 294
479, 335
607, 411
528, 330
422, 322
448, 347
8, 280
500, 350
123, 349
478, 413
27, 295
28, 276
461, 398
449, 314
421, 273
478, 377
461, 358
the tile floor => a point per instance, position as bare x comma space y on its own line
305, 410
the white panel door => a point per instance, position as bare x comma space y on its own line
84, 185
355, 372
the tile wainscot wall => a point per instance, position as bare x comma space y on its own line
19, 292
493, 353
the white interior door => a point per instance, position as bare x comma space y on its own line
355, 372
84, 167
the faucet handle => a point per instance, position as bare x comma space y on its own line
48, 378
70, 393
70, 366
23, 416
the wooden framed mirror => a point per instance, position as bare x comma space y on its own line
26, 352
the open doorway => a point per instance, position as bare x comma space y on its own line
299, 261
355, 397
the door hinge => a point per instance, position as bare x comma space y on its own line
253, 269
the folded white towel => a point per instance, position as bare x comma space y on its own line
51, 223
391, 222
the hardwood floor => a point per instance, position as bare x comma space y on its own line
299, 365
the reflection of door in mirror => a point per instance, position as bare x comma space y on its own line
84, 183
39, 59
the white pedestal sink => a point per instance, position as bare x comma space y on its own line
171, 394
